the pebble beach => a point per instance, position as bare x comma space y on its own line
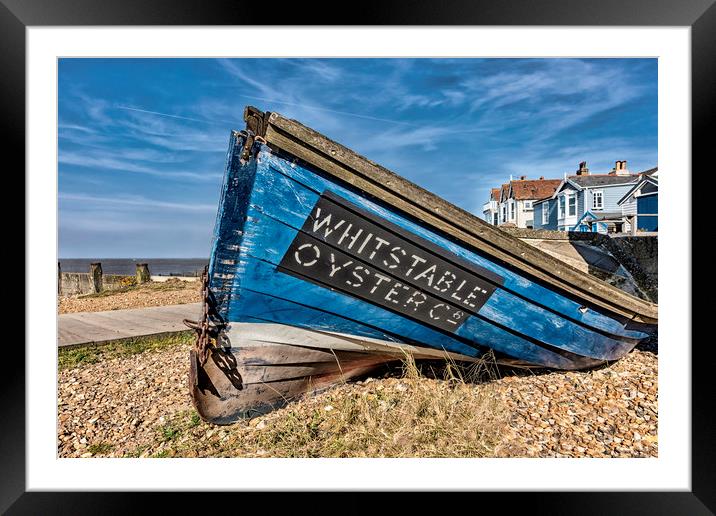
139, 405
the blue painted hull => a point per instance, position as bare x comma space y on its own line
265, 204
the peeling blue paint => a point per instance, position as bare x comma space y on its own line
265, 202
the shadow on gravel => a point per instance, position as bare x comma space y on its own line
485, 371
651, 345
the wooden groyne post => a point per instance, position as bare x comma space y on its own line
96, 276
142, 273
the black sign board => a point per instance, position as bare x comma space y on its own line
345, 248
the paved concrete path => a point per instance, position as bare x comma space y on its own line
92, 327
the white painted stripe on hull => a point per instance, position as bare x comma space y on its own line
261, 334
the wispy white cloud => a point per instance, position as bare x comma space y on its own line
556, 96
318, 108
125, 164
140, 202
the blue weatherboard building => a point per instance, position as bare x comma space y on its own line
591, 202
640, 205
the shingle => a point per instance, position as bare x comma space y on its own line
603, 179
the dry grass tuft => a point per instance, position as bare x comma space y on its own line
412, 415
75, 356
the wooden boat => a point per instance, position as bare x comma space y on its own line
325, 265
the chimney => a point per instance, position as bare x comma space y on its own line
620, 168
583, 170
522, 178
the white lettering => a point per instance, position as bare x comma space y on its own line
335, 269
455, 317
453, 295
381, 279
425, 274
305, 246
414, 302
442, 280
345, 233
381, 243
415, 262
355, 274
394, 257
360, 249
393, 292
354, 238
472, 295
433, 316
325, 222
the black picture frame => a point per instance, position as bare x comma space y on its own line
700, 15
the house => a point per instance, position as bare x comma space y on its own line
490, 209
584, 201
516, 198
502, 205
640, 205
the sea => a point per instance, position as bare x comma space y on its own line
127, 266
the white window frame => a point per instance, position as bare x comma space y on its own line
545, 213
601, 199
562, 206
569, 205
512, 209
527, 205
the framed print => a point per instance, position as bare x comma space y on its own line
471, 91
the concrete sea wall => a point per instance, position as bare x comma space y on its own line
94, 281
630, 262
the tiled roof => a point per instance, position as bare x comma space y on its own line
534, 188
495, 194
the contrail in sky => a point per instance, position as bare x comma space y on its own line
367, 117
128, 108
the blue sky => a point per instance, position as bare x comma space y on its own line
142, 142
